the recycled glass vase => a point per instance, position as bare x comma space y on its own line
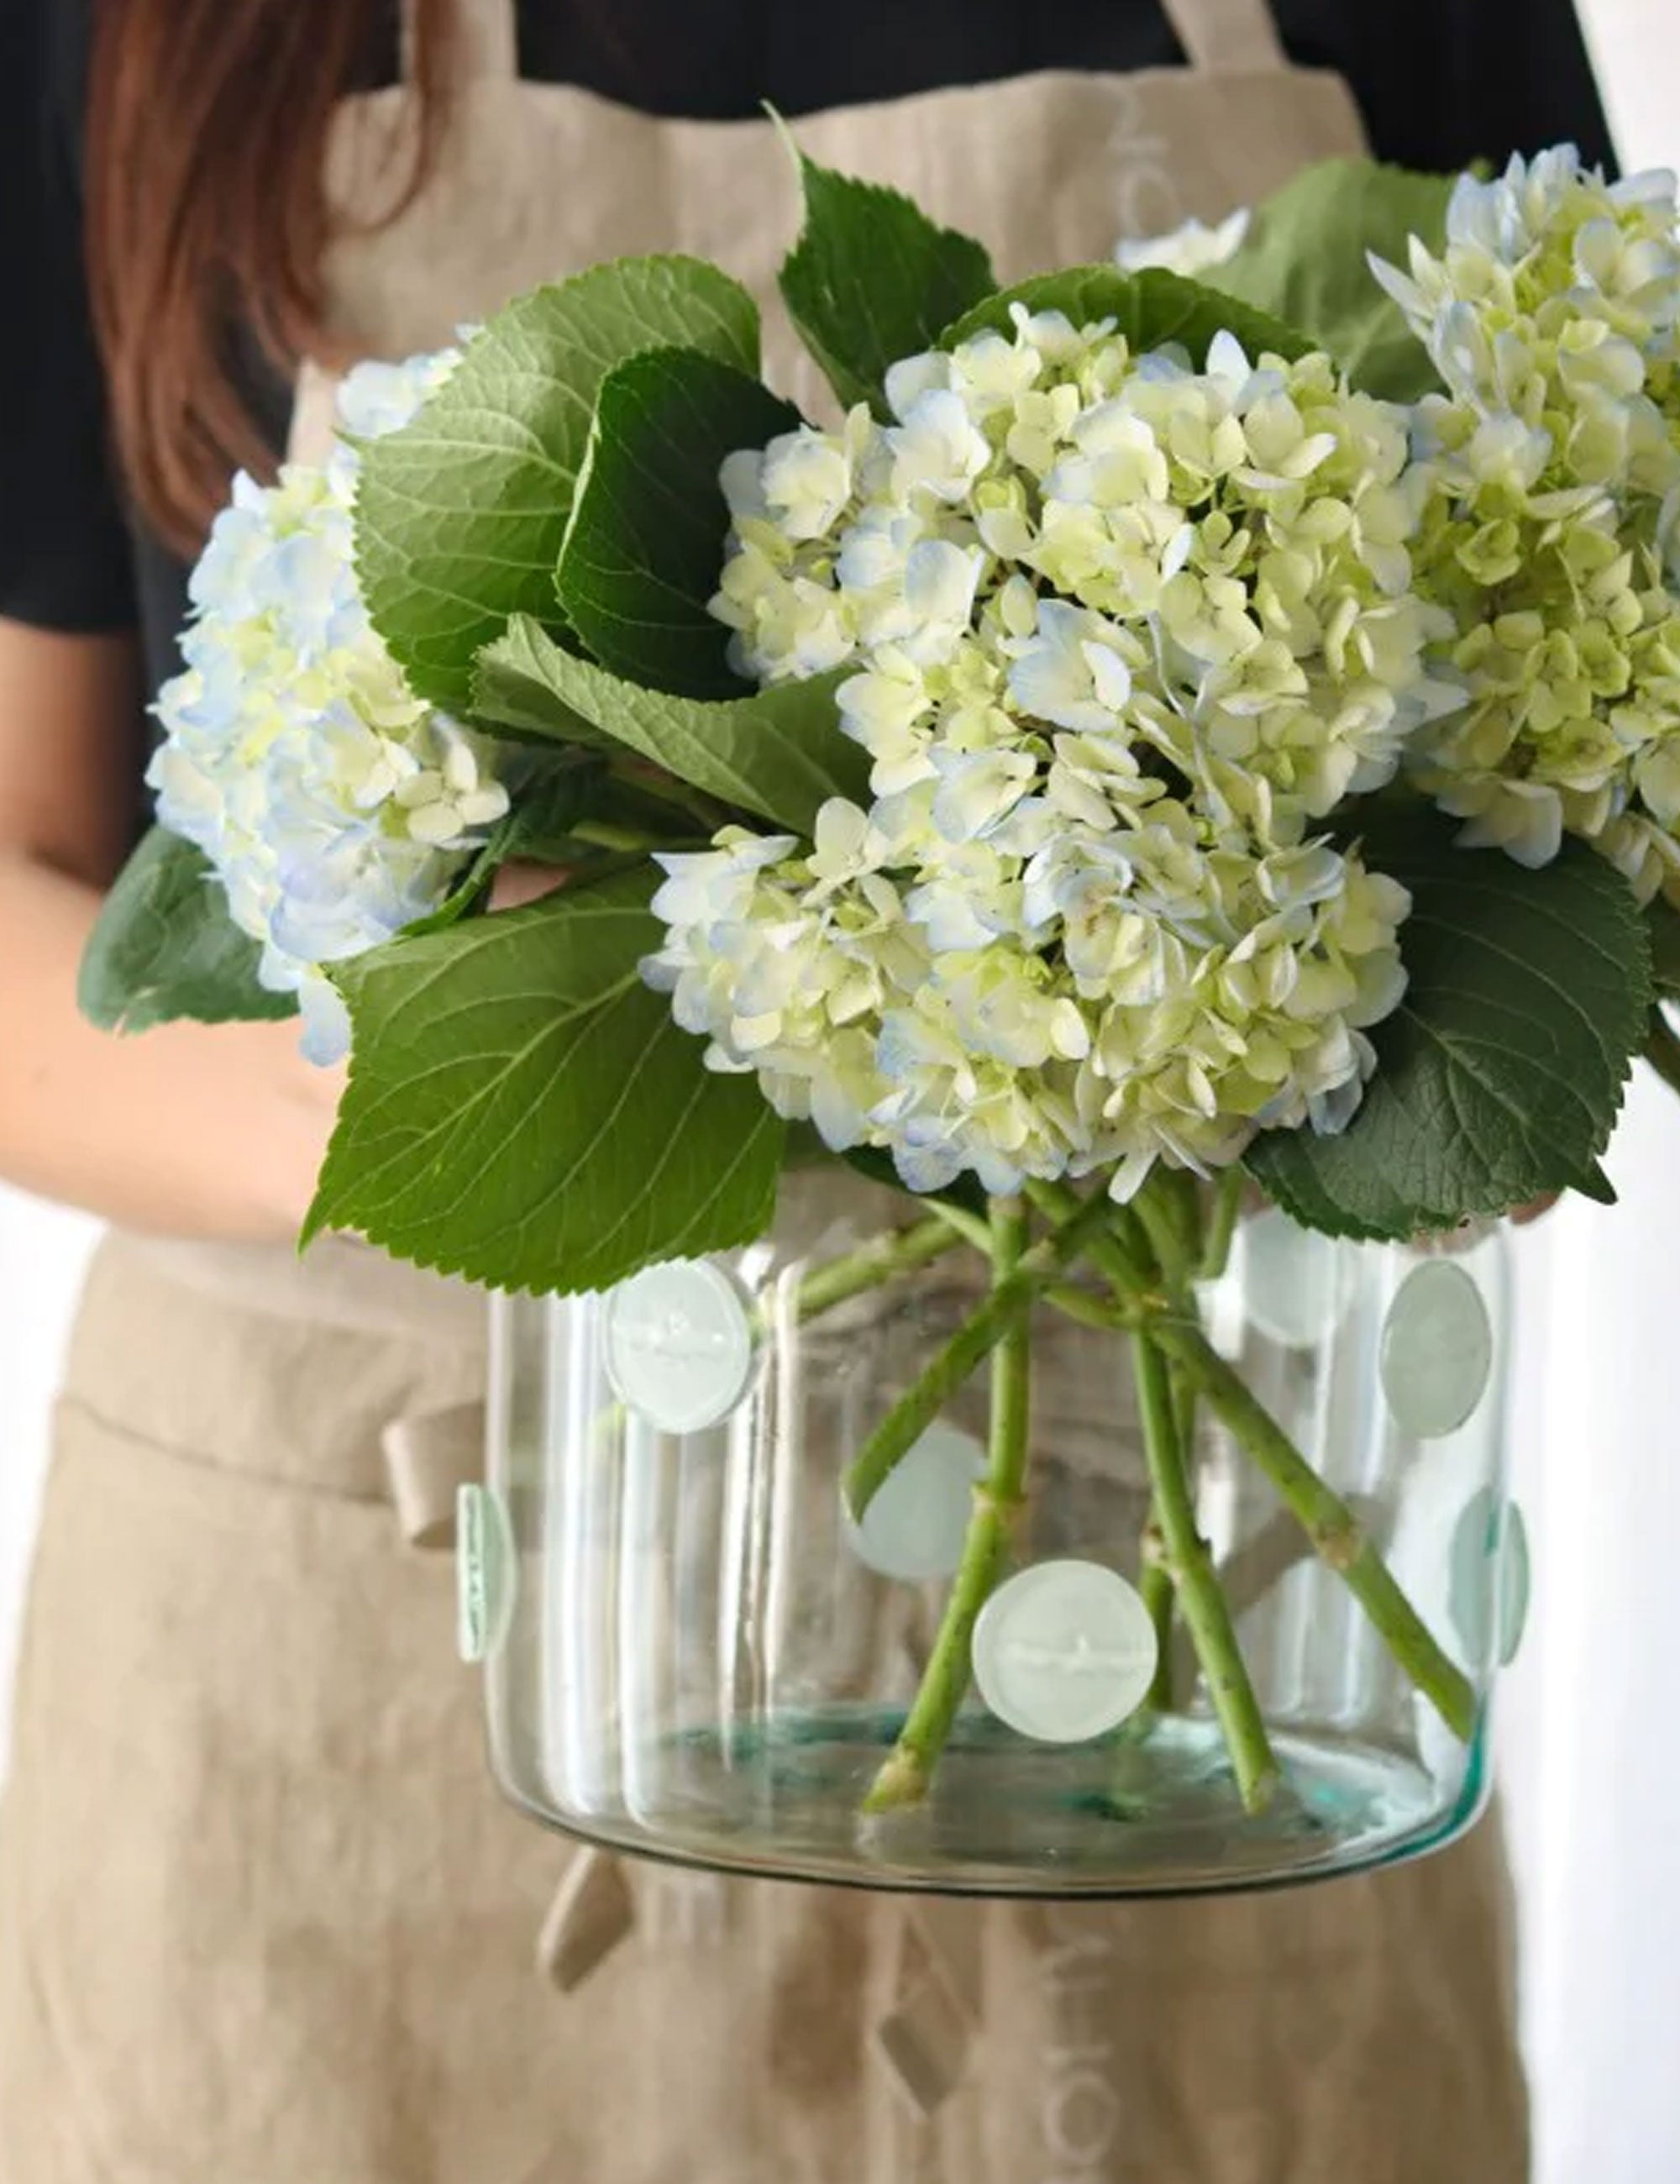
693, 1648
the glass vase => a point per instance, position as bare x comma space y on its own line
699, 1644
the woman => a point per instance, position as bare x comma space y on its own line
261, 1914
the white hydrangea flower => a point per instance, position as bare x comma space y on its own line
1508, 236
1556, 301
938, 449
1553, 461
1191, 249
1073, 669
1075, 1000
335, 806
1216, 563
1121, 631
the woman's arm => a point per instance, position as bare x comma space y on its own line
188, 1129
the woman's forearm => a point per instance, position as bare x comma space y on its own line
186, 1130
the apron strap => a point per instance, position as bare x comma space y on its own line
486, 41
1225, 37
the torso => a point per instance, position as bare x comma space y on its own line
1314, 2036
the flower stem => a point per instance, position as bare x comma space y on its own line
1227, 1201
882, 1259
1010, 1300
1328, 1523
1168, 1211
905, 1775
1154, 1586
969, 1226
1195, 1585
1121, 1237
1012, 1359
1088, 1309
1331, 1526
1170, 1214
605, 834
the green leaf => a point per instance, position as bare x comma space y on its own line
461, 515
517, 690
780, 753
645, 548
1151, 308
522, 1110
872, 280
1500, 1076
164, 947
1305, 257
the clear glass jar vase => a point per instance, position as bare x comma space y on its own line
1085, 1674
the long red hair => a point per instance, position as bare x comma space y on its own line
208, 211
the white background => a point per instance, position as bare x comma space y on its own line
1592, 1714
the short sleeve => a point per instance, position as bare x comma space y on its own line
66, 552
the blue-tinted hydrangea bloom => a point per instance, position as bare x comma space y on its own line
335, 806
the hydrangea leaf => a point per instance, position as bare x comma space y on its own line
1305, 257
779, 754
873, 279
523, 1111
164, 947
461, 512
1151, 308
645, 545
1500, 1076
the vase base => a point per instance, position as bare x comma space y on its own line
1149, 1811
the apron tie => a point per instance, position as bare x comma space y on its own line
593, 1910
924, 2042
428, 1458
924, 2039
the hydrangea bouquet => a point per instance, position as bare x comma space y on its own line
1162, 737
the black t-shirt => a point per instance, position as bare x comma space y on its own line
1440, 82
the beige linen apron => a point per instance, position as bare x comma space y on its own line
263, 1919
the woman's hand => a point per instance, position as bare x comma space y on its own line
191, 1129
